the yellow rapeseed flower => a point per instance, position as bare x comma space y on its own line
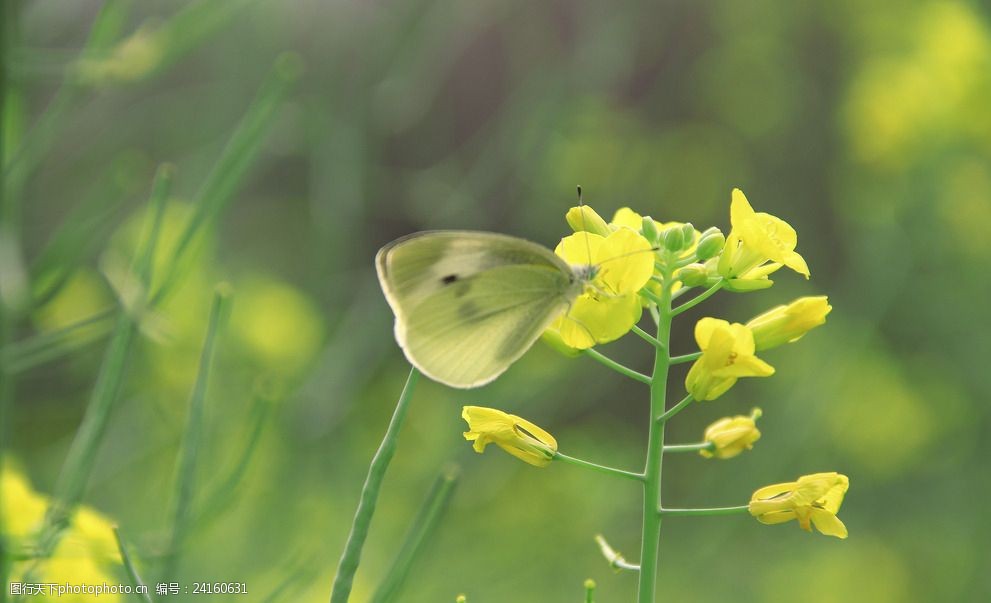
730, 436
609, 306
812, 500
785, 324
86, 552
754, 240
727, 354
515, 435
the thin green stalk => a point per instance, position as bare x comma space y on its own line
686, 358
619, 368
589, 591
104, 32
689, 447
688, 305
8, 20
221, 496
20, 356
351, 556
712, 511
132, 572
650, 295
558, 456
234, 162
651, 532
423, 525
189, 450
675, 409
647, 337
81, 457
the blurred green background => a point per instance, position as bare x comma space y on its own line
865, 125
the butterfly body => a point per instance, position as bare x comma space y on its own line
468, 304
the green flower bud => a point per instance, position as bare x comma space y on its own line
649, 230
711, 244
688, 232
674, 240
694, 275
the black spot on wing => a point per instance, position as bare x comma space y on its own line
450, 278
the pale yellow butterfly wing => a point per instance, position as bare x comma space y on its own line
469, 304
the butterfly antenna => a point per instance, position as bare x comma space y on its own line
581, 210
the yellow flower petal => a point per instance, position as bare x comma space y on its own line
625, 216
584, 219
625, 262
580, 248
515, 435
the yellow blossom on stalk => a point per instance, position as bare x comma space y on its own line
727, 354
730, 436
609, 307
754, 240
786, 324
812, 500
86, 552
515, 435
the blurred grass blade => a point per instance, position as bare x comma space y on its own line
105, 30
423, 525
82, 453
193, 24
230, 169
24, 355
132, 572
189, 450
223, 494
351, 557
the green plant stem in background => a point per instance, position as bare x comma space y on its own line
189, 450
132, 572
651, 532
619, 368
82, 453
689, 447
600, 468
351, 557
686, 358
423, 525
20, 356
711, 511
7, 19
238, 155
105, 31
223, 493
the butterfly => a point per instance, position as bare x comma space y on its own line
468, 304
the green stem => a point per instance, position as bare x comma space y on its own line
132, 572
558, 456
647, 337
191, 439
650, 295
351, 557
619, 368
685, 358
689, 447
688, 305
423, 525
675, 409
81, 457
712, 511
651, 533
